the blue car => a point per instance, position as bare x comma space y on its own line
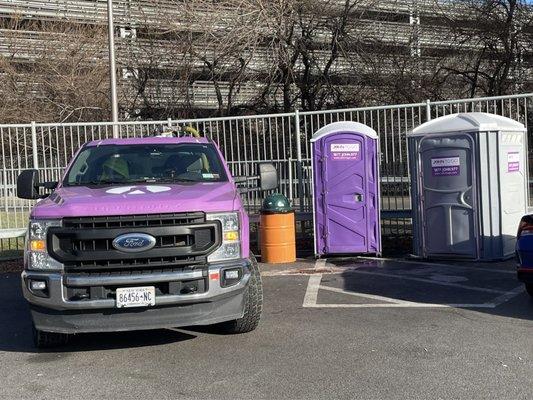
524, 252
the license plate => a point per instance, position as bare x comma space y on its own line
135, 296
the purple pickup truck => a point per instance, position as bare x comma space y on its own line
140, 234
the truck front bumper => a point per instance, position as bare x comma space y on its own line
55, 313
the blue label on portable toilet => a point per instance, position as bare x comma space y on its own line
445, 166
345, 151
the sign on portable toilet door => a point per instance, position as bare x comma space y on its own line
513, 161
345, 151
445, 166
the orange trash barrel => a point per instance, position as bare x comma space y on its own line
277, 230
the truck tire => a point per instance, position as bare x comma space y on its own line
529, 289
45, 340
253, 305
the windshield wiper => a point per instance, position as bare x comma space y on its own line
167, 180
102, 182
164, 180
186, 180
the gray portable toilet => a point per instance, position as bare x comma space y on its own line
469, 186
345, 165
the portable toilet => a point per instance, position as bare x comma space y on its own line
469, 186
345, 168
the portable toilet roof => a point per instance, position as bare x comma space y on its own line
468, 122
344, 126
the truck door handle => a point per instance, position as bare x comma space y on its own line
358, 198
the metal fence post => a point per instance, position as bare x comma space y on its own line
428, 110
291, 188
34, 145
299, 166
527, 163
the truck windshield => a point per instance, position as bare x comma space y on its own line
111, 164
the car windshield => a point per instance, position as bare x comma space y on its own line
111, 164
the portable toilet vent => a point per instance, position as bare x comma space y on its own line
469, 186
346, 189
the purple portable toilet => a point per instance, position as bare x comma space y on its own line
344, 157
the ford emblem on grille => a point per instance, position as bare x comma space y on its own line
134, 242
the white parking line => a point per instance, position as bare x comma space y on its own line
365, 295
508, 296
404, 303
313, 287
311, 294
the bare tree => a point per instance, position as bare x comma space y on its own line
155, 73
196, 51
491, 41
317, 53
224, 37
59, 74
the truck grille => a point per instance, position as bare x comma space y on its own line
85, 244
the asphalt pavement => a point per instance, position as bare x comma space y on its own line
339, 328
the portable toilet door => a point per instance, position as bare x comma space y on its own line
449, 194
346, 189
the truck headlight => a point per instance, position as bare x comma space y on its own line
230, 249
37, 255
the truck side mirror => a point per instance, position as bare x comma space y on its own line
268, 176
28, 185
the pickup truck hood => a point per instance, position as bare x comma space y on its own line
83, 201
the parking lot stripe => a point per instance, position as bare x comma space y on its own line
314, 285
508, 296
311, 294
365, 295
404, 303
410, 278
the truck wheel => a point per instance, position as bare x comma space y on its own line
43, 339
529, 289
253, 305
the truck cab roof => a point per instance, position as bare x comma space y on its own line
148, 140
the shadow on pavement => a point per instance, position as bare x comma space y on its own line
462, 285
16, 334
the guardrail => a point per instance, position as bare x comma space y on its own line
245, 141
